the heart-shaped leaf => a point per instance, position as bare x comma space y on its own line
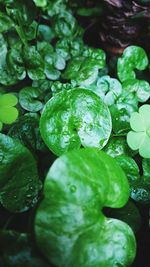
70, 228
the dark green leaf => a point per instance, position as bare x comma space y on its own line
26, 130
19, 184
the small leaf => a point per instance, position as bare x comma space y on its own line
40, 3
134, 57
8, 100
134, 139
8, 113
109, 89
140, 138
28, 99
136, 122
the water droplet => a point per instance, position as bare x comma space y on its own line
73, 188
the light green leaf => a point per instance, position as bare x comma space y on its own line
140, 138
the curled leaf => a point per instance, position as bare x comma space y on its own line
133, 57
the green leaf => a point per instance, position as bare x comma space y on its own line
5, 22
3, 51
141, 192
69, 223
51, 73
8, 100
19, 184
34, 63
7, 76
41, 3
65, 25
73, 118
29, 99
117, 146
133, 57
22, 12
45, 33
26, 130
109, 89
8, 113
57, 87
146, 170
15, 62
139, 138
84, 70
17, 250
130, 168
139, 89
96, 54
121, 113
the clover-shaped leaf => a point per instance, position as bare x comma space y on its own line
139, 138
8, 113
134, 57
108, 89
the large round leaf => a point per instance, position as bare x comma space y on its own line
71, 229
19, 184
73, 118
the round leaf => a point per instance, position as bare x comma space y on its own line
140, 138
73, 118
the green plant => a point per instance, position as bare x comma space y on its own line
8, 113
73, 118
60, 96
133, 57
139, 138
70, 222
